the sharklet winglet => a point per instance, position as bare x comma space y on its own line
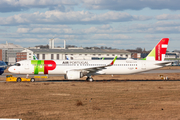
112, 63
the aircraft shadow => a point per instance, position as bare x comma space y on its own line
111, 80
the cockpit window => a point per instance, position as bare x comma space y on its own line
17, 64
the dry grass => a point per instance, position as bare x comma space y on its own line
79, 103
91, 100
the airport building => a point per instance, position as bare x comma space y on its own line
73, 54
177, 53
8, 52
171, 55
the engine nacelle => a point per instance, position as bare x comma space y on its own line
73, 75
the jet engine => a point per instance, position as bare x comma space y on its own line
73, 75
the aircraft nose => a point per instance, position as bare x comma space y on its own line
11, 69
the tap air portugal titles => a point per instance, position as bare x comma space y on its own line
76, 69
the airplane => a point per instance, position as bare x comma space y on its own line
67, 58
3, 67
34, 57
76, 69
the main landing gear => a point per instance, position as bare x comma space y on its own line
89, 79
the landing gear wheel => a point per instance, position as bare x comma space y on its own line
18, 79
89, 79
32, 80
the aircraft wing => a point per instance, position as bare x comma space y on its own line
94, 69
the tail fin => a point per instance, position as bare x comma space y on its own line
67, 57
34, 57
159, 52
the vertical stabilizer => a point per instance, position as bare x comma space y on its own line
34, 57
159, 51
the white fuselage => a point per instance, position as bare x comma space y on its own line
62, 66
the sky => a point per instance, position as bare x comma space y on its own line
121, 24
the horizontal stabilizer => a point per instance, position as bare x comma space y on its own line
162, 63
